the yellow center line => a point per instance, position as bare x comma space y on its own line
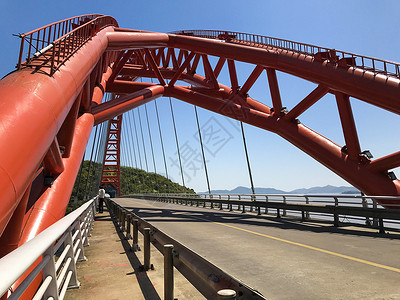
309, 247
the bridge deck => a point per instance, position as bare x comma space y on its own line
283, 258
112, 270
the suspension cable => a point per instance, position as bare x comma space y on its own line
126, 141
151, 141
140, 159
144, 146
176, 139
90, 162
137, 141
131, 137
162, 144
202, 150
151, 146
247, 159
99, 157
131, 115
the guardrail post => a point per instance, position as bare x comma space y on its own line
278, 213
374, 220
335, 215
168, 272
93, 215
123, 220
284, 210
135, 235
128, 227
84, 231
81, 256
118, 215
226, 294
146, 247
266, 201
74, 283
381, 226
111, 207
307, 213
239, 204
49, 271
230, 204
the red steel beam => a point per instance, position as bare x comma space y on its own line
233, 75
136, 40
317, 146
348, 126
307, 102
52, 161
66, 133
181, 69
385, 163
219, 66
51, 205
209, 73
47, 210
251, 80
358, 83
152, 63
274, 90
195, 63
10, 238
33, 121
120, 65
111, 161
111, 109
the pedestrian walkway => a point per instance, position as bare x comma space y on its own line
112, 271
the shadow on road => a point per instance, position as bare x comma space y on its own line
168, 212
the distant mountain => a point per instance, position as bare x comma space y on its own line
328, 189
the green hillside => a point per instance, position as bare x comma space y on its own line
133, 181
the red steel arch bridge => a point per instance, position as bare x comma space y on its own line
51, 102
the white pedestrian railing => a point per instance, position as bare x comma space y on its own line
54, 252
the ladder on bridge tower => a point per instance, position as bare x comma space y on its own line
110, 178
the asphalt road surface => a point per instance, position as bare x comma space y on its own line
284, 258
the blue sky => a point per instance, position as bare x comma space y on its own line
364, 27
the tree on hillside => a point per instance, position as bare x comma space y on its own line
133, 181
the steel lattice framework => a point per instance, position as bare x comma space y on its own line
110, 178
50, 104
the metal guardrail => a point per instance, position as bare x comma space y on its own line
204, 276
54, 252
354, 207
342, 58
50, 46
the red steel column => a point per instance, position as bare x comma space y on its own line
111, 162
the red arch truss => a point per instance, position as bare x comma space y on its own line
50, 104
